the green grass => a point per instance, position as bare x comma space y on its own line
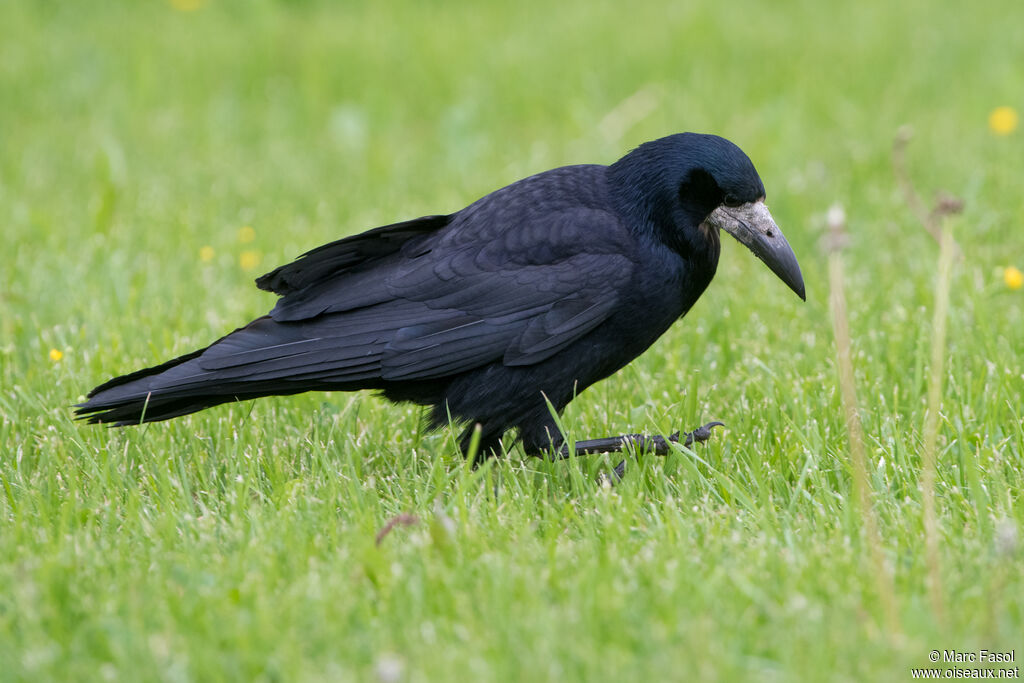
239, 543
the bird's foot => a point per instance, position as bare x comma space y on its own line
659, 445
701, 434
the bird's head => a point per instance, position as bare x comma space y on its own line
691, 185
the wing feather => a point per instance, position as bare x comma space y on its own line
441, 296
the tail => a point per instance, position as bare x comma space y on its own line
143, 396
305, 349
261, 359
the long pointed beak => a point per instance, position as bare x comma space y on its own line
752, 225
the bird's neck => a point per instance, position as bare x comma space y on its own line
644, 195
638, 190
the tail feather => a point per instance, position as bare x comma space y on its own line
261, 359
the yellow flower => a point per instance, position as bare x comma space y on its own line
206, 254
1003, 120
1013, 278
249, 259
186, 5
56, 355
246, 234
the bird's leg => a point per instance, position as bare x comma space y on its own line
657, 444
533, 440
489, 445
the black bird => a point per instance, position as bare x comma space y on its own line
527, 296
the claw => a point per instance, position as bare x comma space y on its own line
701, 434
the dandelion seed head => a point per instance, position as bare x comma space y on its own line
1007, 537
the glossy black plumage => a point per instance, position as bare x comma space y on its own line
537, 290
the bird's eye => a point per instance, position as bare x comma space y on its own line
731, 200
